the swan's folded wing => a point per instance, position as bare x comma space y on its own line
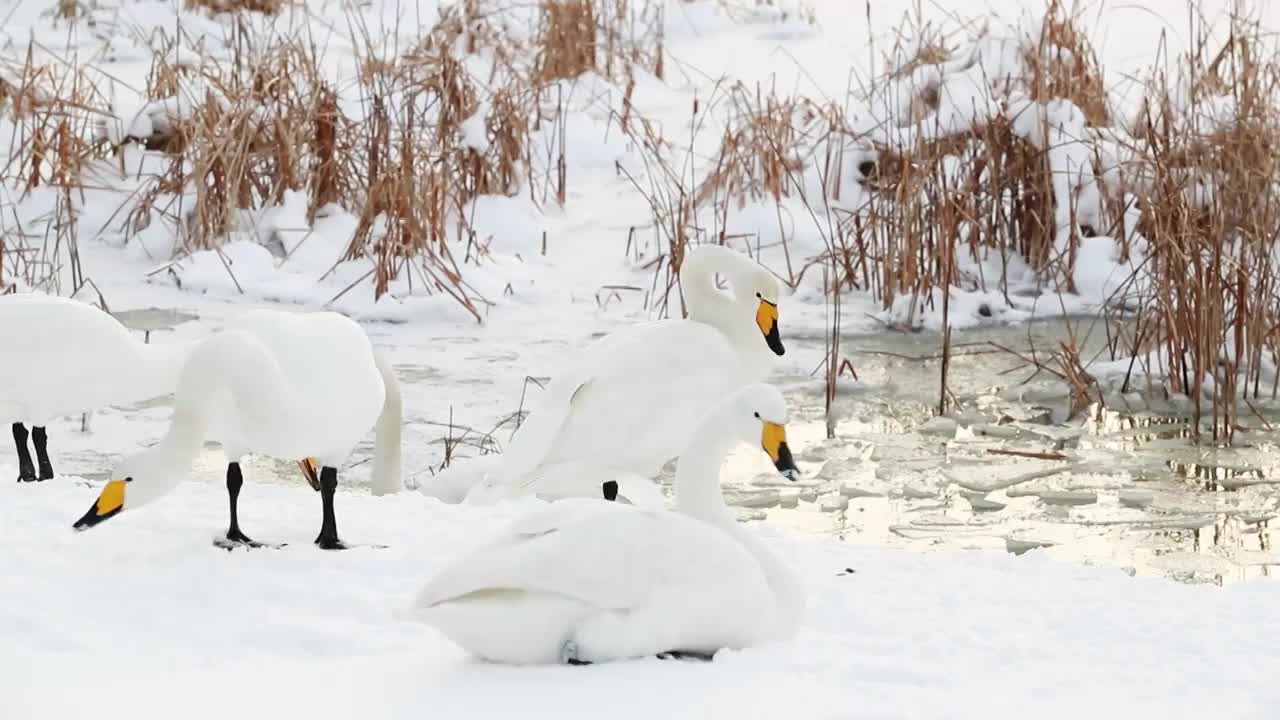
604, 554
619, 391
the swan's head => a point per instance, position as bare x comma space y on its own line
752, 286
762, 418
137, 480
756, 286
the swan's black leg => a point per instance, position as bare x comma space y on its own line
235, 480
26, 469
610, 490
41, 440
328, 537
235, 536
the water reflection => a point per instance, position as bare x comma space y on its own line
1125, 489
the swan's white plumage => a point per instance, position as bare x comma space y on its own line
63, 357
286, 385
289, 385
621, 581
627, 563
625, 406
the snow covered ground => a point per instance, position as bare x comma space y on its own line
142, 617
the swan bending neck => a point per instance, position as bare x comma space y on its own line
697, 481
697, 276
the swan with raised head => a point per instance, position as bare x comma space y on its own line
61, 357
586, 580
303, 386
623, 407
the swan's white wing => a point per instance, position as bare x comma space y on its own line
628, 403
605, 554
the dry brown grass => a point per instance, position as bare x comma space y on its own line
1207, 190
265, 7
54, 111
1203, 194
1063, 64
431, 138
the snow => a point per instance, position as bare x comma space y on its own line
142, 617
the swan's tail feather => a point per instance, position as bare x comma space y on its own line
386, 450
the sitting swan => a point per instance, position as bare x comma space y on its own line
623, 407
63, 357
287, 385
588, 581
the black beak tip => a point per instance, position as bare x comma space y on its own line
786, 465
91, 518
774, 339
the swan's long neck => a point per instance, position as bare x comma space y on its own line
231, 362
168, 462
697, 481
729, 313
159, 367
733, 313
237, 363
698, 494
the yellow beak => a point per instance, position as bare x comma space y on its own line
109, 503
774, 441
767, 321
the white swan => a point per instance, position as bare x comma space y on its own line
63, 357
587, 581
623, 407
303, 386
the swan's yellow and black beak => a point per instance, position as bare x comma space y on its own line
310, 468
774, 441
767, 320
109, 503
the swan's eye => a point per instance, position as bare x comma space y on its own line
757, 415
758, 296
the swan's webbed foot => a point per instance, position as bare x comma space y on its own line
236, 537
26, 474
329, 543
684, 655
610, 490
230, 543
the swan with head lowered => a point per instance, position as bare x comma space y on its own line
60, 357
586, 581
304, 386
619, 410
